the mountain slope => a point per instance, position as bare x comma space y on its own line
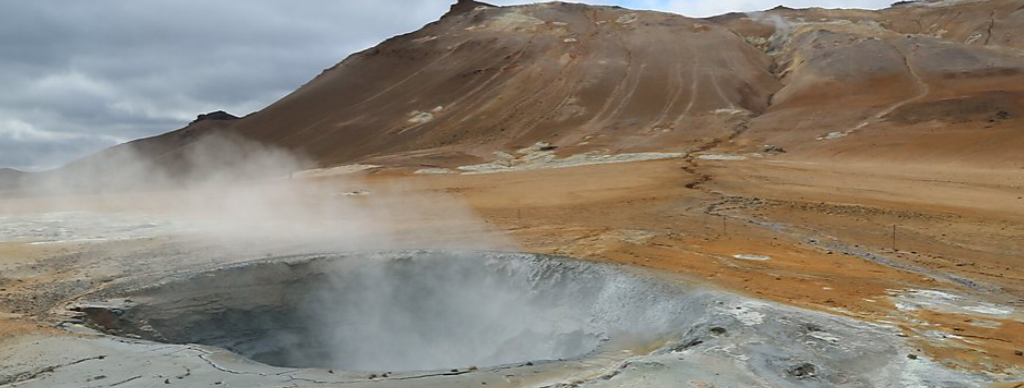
485, 78
10, 177
914, 83
925, 82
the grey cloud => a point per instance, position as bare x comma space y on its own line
86, 75
38, 154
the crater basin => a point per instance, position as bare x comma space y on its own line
404, 311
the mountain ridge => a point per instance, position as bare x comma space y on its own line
824, 84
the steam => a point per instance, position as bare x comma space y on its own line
207, 160
783, 27
237, 193
416, 311
449, 313
442, 310
229, 194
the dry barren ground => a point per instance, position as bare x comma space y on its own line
826, 229
811, 235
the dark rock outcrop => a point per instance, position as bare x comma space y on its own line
218, 115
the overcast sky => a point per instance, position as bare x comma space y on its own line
78, 76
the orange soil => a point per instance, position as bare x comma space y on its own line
690, 220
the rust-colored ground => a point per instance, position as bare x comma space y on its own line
963, 223
691, 218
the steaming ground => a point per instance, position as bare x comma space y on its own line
445, 318
946, 303
402, 311
56, 251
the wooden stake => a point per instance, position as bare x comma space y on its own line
894, 237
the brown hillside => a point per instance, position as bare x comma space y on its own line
493, 78
923, 82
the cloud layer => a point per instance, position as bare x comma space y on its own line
80, 76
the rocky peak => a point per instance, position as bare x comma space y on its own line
463, 6
218, 115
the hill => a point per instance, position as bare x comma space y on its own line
922, 82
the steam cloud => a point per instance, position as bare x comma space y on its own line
239, 196
783, 27
233, 190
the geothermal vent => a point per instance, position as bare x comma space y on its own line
403, 311
354, 317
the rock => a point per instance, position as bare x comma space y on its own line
465, 6
1019, 353
218, 115
1000, 116
912, 356
718, 330
687, 345
904, 3
803, 371
811, 328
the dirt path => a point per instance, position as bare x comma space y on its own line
923, 89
